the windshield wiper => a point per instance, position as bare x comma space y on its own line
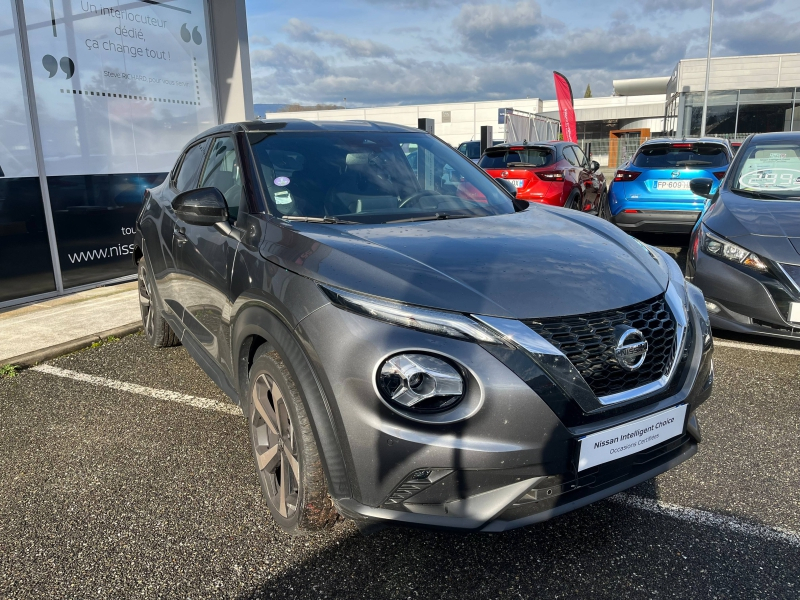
334, 220
760, 195
436, 217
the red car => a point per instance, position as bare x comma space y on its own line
556, 173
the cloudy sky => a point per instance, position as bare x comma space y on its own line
376, 52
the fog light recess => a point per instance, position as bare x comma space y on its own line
712, 307
420, 383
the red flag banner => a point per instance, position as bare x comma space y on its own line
566, 110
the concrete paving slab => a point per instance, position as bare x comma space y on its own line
42, 325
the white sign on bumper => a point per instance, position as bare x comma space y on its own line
630, 438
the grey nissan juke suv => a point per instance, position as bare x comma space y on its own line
408, 342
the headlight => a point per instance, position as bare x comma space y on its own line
453, 325
722, 248
420, 382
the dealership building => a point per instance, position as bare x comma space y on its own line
98, 98
747, 94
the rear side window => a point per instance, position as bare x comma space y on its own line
569, 154
529, 157
582, 160
190, 167
670, 156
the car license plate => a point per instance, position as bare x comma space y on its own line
672, 184
630, 438
517, 183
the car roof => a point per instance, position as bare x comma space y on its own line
552, 144
777, 136
687, 140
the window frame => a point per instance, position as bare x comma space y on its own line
243, 202
576, 150
567, 158
173, 178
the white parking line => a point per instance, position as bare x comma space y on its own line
123, 386
756, 347
702, 517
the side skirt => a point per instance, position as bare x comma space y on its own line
201, 357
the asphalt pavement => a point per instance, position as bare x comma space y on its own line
127, 473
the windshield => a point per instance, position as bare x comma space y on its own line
768, 171
371, 177
500, 159
666, 156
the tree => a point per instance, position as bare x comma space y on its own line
588, 93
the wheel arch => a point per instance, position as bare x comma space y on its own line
258, 324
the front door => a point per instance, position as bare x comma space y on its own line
205, 256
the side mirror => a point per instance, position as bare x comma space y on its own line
203, 206
509, 187
701, 186
595, 166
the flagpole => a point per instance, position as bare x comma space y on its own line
708, 72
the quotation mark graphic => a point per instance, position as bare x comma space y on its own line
194, 36
50, 65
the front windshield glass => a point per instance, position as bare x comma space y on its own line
768, 171
371, 177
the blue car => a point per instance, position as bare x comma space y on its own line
651, 191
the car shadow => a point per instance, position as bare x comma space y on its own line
605, 550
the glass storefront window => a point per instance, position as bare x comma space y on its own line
120, 89
720, 120
714, 99
26, 268
764, 118
761, 96
759, 111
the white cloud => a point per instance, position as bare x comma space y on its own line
493, 28
352, 47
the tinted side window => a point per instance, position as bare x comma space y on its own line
190, 167
222, 172
581, 156
570, 156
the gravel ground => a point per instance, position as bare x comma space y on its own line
112, 494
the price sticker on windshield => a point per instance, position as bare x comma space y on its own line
771, 179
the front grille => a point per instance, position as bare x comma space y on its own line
588, 342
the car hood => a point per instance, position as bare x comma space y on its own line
538, 263
769, 228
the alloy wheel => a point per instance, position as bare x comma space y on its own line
276, 446
145, 303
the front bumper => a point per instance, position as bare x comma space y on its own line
657, 221
746, 301
510, 464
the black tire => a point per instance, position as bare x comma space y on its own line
604, 210
572, 201
285, 452
156, 330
